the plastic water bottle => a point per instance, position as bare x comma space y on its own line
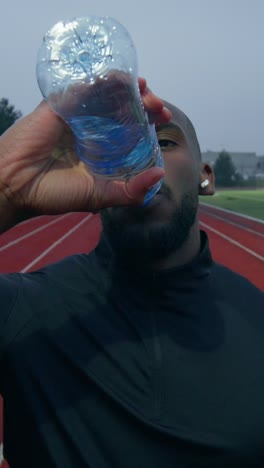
87, 73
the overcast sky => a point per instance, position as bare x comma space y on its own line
205, 56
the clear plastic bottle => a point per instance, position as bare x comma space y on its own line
87, 73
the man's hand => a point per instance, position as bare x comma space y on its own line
41, 173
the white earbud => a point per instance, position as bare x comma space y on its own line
205, 183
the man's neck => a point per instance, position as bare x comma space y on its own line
185, 254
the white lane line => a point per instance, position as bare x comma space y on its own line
32, 233
232, 241
227, 221
239, 215
52, 246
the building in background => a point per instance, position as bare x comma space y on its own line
247, 164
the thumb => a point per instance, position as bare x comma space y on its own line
134, 190
138, 187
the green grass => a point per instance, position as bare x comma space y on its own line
248, 202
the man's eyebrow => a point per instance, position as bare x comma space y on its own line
170, 126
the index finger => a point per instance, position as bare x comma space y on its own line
154, 105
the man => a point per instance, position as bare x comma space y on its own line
144, 353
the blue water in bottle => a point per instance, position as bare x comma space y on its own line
115, 150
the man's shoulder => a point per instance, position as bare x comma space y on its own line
36, 295
64, 273
236, 285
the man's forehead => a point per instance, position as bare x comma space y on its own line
179, 119
177, 122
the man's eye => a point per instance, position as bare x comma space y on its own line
167, 143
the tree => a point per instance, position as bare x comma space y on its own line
225, 172
8, 115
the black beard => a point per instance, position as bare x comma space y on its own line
137, 241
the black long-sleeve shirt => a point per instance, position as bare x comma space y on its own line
101, 367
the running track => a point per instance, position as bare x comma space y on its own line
236, 241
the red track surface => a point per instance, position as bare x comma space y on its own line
235, 241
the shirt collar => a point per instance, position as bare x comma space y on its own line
198, 268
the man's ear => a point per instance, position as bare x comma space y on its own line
207, 180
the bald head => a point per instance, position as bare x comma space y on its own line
183, 122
